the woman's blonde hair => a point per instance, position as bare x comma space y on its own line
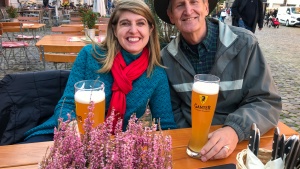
111, 44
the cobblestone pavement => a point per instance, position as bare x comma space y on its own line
280, 47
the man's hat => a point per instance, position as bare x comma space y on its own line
161, 7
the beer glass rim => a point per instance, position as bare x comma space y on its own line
101, 87
206, 78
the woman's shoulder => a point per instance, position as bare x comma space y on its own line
159, 72
94, 50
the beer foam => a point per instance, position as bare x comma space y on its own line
85, 97
206, 88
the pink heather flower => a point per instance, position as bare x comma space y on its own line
139, 147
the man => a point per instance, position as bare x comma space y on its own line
248, 13
207, 46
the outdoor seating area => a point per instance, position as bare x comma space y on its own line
25, 33
32, 46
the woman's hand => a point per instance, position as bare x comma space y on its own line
221, 143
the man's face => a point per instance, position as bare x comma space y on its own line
188, 15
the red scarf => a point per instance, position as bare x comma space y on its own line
123, 77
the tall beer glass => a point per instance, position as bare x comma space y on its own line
203, 104
85, 92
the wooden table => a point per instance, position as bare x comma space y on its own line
60, 48
57, 39
79, 25
28, 155
30, 26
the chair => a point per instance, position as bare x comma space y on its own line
58, 54
103, 20
28, 19
33, 13
4, 16
47, 15
74, 14
11, 27
74, 20
2, 56
74, 30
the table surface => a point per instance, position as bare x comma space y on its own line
33, 26
25, 26
28, 155
79, 25
61, 40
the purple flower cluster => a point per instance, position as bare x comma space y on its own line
138, 147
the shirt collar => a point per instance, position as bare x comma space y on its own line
205, 43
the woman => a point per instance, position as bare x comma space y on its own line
129, 57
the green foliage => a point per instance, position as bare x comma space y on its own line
88, 17
165, 30
12, 12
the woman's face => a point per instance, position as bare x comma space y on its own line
132, 32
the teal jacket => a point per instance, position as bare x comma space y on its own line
85, 67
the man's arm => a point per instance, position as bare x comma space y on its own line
260, 19
261, 103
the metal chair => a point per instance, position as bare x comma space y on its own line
4, 16
10, 44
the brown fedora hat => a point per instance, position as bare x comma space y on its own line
161, 7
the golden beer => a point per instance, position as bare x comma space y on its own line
203, 105
85, 92
82, 101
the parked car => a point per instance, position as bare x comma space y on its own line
289, 15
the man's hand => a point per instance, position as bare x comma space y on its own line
221, 143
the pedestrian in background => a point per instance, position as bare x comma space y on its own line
247, 14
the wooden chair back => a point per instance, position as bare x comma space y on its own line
28, 19
11, 27
103, 20
76, 30
75, 20
58, 54
74, 14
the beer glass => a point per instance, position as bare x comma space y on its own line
203, 104
85, 92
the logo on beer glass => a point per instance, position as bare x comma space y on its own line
202, 101
203, 98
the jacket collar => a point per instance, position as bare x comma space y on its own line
225, 43
229, 45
